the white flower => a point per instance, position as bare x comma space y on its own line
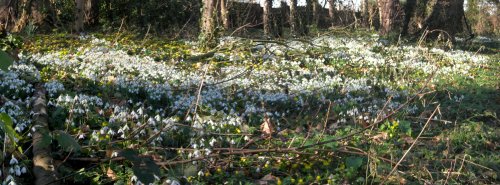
13, 160
175, 182
17, 170
133, 178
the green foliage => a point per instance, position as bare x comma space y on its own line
354, 162
145, 169
5, 60
66, 141
10, 42
7, 126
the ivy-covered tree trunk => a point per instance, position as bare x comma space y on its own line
388, 16
331, 11
316, 12
224, 13
438, 16
409, 11
207, 34
267, 18
79, 15
365, 12
24, 14
4, 14
91, 12
294, 27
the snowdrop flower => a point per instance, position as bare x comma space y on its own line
81, 136
133, 178
13, 160
17, 170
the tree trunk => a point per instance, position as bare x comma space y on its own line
365, 13
6, 8
331, 11
446, 15
22, 20
79, 15
224, 12
294, 27
409, 11
438, 16
388, 15
267, 17
91, 12
316, 12
208, 37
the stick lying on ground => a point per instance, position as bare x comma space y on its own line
43, 167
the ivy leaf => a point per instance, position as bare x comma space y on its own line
46, 139
354, 162
145, 169
66, 141
6, 125
130, 155
5, 60
405, 127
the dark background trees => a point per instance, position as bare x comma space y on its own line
410, 17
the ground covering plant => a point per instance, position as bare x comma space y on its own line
349, 109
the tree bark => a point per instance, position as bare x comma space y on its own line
224, 12
409, 11
331, 11
365, 13
22, 20
267, 18
6, 7
443, 16
43, 168
91, 12
79, 15
293, 17
388, 15
316, 12
208, 24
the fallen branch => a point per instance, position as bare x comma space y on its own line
43, 168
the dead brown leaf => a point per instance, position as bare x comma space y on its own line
380, 137
111, 174
268, 179
267, 128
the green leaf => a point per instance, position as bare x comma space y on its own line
5, 60
66, 141
6, 125
190, 170
405, 127
144, 168
130, 155
354, 162
46, 139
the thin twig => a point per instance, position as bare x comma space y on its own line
413, 144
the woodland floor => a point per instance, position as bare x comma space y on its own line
334, 109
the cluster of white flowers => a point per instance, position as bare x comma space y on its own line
54, 87
147, 98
